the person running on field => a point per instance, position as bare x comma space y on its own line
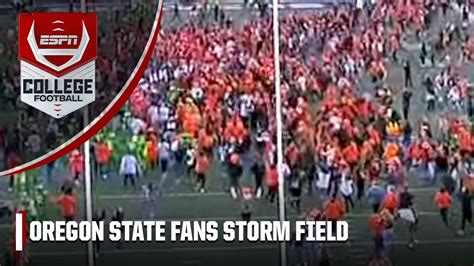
102, 156
98, 217
376, 223
391, 201
129, 168
347, 189
271, 179
295, 190
466, 208
235, 172
375, 194
258, 170
247, 197
76, 165
408, 213
164, 155
443, 201
151, 149
118, 216
202, 168
388, 219
334, 210
150, 194
68, 205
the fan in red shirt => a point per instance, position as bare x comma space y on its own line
377, 227
102, 156
272, 182
391, 201
76, 164
68, 205
351, 154
443, 201
202, 167
334, 210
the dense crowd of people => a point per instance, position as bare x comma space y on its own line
208, 98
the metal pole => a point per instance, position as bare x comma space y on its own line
279, 144
87, 174
83, 6
88, 189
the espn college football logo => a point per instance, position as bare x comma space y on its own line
57, 54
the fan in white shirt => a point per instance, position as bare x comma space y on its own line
52, 127
246, 105
197, 93
163, 113
153, 115
323, 182
218, 51
137, 125
171, 124
34, 143
347, 189
454, 96
163, 73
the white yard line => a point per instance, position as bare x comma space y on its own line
218, 194
171, 195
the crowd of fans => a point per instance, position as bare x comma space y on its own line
351, 133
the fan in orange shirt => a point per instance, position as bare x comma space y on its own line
102, 155
191, 123
68, 204
351, 154
202, 167
366, 151
391, 201
443, 201
206, 140
235, 129
391, 150
464, 142
151, 151
334, 210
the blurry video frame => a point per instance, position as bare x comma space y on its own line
377, 131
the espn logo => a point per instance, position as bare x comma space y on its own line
58, 39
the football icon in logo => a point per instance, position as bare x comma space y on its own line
60, 50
